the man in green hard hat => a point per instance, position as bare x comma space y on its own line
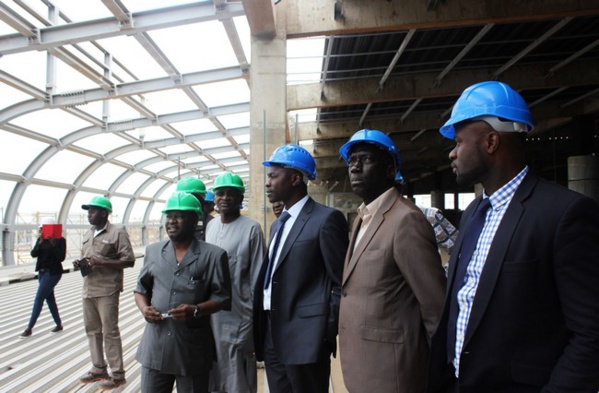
197, 188
243, 240
182, 282
106, 251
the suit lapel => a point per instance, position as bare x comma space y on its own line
377, 220
296, 229
191, 255
496, 256
455, 254
168, 255
350, 250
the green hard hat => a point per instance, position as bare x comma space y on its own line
183, 201
192, 185
229, 179
99, 201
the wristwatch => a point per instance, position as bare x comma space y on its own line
197, 312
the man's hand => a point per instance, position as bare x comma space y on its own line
95, 262
151, 315
77, 263
184, 312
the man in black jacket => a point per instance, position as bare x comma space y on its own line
521, 313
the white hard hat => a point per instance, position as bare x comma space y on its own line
47, 221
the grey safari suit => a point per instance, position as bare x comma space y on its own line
173, 347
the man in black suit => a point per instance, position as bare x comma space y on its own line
522, 311
296, 301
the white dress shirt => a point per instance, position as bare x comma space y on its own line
294, 212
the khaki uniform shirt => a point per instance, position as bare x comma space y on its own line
113, 243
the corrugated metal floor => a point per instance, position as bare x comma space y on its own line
53, 362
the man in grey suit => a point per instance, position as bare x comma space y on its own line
296, 301
393, 281
182, 282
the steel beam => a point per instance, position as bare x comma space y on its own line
146, 86
55, 36
17, 22
23, 86
412, 87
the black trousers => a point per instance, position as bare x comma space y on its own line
302, 378
153, 381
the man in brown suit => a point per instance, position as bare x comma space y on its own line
393, 283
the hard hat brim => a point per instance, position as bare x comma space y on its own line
88, 206
282, 165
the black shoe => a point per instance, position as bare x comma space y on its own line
91, 377
112, 383
26, 333
57, 329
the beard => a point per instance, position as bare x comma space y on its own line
479, 169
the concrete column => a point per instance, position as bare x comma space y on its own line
319, 193
268, 113
583, 175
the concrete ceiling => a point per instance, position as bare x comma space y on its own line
399, 68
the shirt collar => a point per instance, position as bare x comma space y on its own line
373, 207
506, 193
101, 229
295, 210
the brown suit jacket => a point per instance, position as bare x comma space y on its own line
392, 297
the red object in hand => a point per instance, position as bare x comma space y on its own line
52, 230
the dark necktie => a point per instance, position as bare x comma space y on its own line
475, 227
278, 226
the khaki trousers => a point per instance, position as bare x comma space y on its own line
101, 320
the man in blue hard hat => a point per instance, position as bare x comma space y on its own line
296, 301
393, 281
106, 251
209, 204
521, 313
182, 282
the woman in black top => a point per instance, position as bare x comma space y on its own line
50, 253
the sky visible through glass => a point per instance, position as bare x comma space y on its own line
185, 49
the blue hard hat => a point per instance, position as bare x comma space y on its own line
489, 98
374, 137
209, 196
295, 157
398, 177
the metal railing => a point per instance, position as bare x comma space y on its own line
23, 234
